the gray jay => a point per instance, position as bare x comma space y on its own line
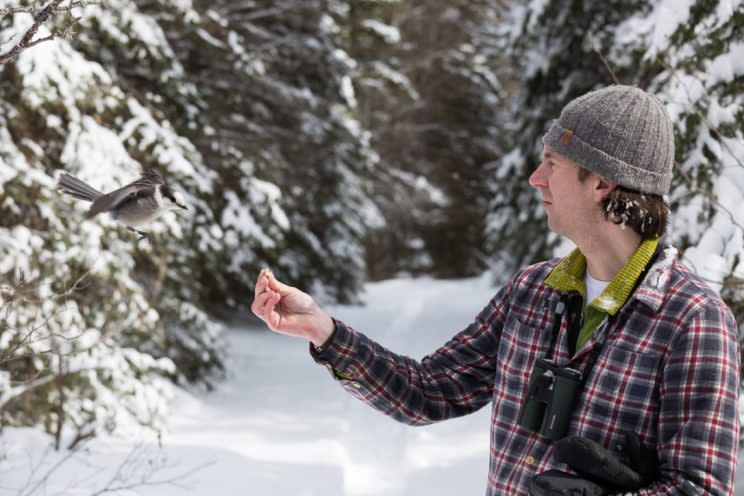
133, 205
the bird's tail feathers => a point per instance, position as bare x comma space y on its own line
77, 188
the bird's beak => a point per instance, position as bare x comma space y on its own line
184, 207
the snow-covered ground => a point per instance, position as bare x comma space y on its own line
280, 426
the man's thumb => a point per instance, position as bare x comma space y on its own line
277, 286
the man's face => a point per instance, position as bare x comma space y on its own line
572, 206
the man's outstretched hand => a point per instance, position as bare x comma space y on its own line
290, 311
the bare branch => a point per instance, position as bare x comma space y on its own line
125, 477
27, 292
122, 479
601, 57
40, 17
42, 480
39, 331
708, 195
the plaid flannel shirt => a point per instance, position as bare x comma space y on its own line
668, 370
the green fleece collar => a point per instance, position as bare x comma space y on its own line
568, 275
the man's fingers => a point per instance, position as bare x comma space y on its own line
268, 294
267, 306
259, 303
273, 318
274, 283
262, 282
267, 280
267, 312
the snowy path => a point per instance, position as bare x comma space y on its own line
280, 426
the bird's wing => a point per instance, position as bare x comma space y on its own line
118, 198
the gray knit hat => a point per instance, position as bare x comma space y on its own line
621, 133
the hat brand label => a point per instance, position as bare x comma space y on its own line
567, 135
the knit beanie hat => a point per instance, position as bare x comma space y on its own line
620, 132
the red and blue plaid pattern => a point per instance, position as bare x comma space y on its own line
669, 370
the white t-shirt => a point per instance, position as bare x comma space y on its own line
594, 287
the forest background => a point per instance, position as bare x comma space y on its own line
337, 142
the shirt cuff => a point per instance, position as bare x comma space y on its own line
328, 342
337, 354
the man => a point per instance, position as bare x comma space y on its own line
615, 363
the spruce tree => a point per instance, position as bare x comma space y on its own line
429, 96
702, 82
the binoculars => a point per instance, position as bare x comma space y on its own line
551, 396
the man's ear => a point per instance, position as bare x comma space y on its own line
603, 188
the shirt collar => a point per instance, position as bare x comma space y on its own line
568, 275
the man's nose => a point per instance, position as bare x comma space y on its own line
539, 179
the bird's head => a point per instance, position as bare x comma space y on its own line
172, 199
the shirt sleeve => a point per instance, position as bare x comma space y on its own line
698, 419
455, 380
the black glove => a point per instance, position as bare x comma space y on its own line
600, 470
558, 483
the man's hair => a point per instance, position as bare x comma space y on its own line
646, 214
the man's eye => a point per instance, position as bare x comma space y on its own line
552, 165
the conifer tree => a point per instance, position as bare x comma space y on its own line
428, 95
264, 92
702, 81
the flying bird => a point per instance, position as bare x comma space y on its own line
133, 205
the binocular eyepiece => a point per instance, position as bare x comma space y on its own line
551, 397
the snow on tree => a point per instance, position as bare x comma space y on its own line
263, 91
249, 110
327, 139
94, 324
701, 52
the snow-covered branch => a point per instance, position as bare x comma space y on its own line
11, 393
41, 15
59, 369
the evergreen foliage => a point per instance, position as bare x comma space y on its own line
703, 82
263, 91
